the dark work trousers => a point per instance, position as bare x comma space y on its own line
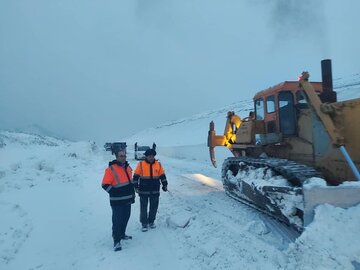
145, 217
120, 217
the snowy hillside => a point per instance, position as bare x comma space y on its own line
178, 138
348, 88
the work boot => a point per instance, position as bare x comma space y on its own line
144, 228
126, 237
117, 246
152, 225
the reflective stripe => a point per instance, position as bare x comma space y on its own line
152, 170
121, 198
149, 192
163, 181
109, 187
115, 175
119, 184
149, 177
122, 185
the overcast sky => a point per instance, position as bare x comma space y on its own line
102, 70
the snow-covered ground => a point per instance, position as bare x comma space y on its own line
55, 215
348, 87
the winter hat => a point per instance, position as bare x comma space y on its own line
150, 152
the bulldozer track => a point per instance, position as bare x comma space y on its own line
295, 173
288, 229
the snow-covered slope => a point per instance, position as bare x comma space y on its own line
167, 132
349, 87
197, 126
188, 135
42, 184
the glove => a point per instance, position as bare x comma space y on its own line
164, 188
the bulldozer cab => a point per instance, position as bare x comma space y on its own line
287, 116
277, 108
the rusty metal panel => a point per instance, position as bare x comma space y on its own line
347, 120
259, 127
245, 134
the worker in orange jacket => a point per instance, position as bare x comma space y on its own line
117, 181
148, 175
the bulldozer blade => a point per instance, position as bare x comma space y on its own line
344, 196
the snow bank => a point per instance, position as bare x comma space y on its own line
330, 242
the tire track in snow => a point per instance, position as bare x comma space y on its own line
218, 230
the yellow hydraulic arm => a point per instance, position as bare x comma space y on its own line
315, 102
233, 122
336, 138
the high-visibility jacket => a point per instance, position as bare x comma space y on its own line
147, 177
117, 181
